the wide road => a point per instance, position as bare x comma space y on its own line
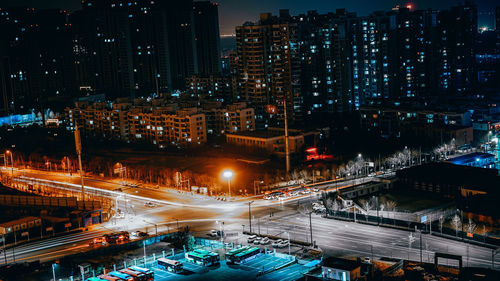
334, 237
348, 238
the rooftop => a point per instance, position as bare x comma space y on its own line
264, 134
18, 221
456, 175
338, 263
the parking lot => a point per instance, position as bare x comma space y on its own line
249, 270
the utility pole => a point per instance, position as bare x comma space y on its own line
420, 246
311, 228
250, 215
287, 144
78, 145
4, 252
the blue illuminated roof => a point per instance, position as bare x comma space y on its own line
471, 157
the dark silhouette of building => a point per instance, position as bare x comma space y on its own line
36, 61
206, 20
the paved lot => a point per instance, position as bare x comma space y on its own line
289, 273
265, 262
247, 271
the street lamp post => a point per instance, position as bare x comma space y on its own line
228, 174
54, 272
250, 215
11, 162
288, 234
67, 164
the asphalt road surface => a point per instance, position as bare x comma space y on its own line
173, 209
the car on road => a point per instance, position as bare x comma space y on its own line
276, 243
367, 260
213, 233
264, 241
314, 189
150, 204
98, 241
294, 193
119, 214
257, 240
251, 238
139, 234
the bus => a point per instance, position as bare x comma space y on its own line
150, 275
246, 255
231, 254
214, 257
170, 265
202, 257
122, 276
138, 276
109, 278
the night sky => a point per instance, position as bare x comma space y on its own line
236, 12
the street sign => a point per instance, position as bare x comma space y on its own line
67, 225
25, 233
50, 228
371, 164
423, 219
470, 234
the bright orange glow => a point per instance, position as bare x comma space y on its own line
312, 150
409, 6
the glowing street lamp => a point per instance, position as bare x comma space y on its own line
228, 174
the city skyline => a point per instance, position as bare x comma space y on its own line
320, 140
233, 12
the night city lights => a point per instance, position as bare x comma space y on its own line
249, 140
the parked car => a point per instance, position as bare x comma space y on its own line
257, 240
150, 204
283, 244
251, 238
213, 233
276, 243
264, 241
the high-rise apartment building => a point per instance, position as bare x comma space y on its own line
323, 55
268, 71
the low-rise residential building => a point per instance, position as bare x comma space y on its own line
233, 118
99, 120
160, 125
272, 141
162, 128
